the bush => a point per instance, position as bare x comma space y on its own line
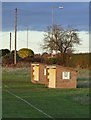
37, 58
24, 53
52, 60
9, 59
4, 52
0, 53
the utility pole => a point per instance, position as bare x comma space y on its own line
60, 7
27, 37
15, 35
52, 19
10, 42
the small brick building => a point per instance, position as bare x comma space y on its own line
53, 76
38, 73
60, 77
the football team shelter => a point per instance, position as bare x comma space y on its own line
53, 76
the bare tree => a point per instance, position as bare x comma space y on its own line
60, 40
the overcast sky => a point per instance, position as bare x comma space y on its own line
37, 16
45, 0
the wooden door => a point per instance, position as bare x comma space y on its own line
51, 77
36, 73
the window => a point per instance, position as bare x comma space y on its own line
65, 75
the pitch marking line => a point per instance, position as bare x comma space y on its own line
29, 104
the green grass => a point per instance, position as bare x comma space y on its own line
58, 103
83, 78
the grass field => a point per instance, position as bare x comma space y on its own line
22, 99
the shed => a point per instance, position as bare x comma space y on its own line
38, 73
60, 77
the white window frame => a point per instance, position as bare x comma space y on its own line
65, 75
44, 71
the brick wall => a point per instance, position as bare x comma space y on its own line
66, 83
60, 82
42, 77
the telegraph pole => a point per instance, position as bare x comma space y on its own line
27, 37
15, 35
52, 19
60, 7
10, 42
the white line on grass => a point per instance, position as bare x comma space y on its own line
29, 104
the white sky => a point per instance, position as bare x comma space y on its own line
35, 38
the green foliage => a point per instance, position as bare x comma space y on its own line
38, 58
24, 53
0, 53
80, 60
52, 60
9, 59
4, 52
